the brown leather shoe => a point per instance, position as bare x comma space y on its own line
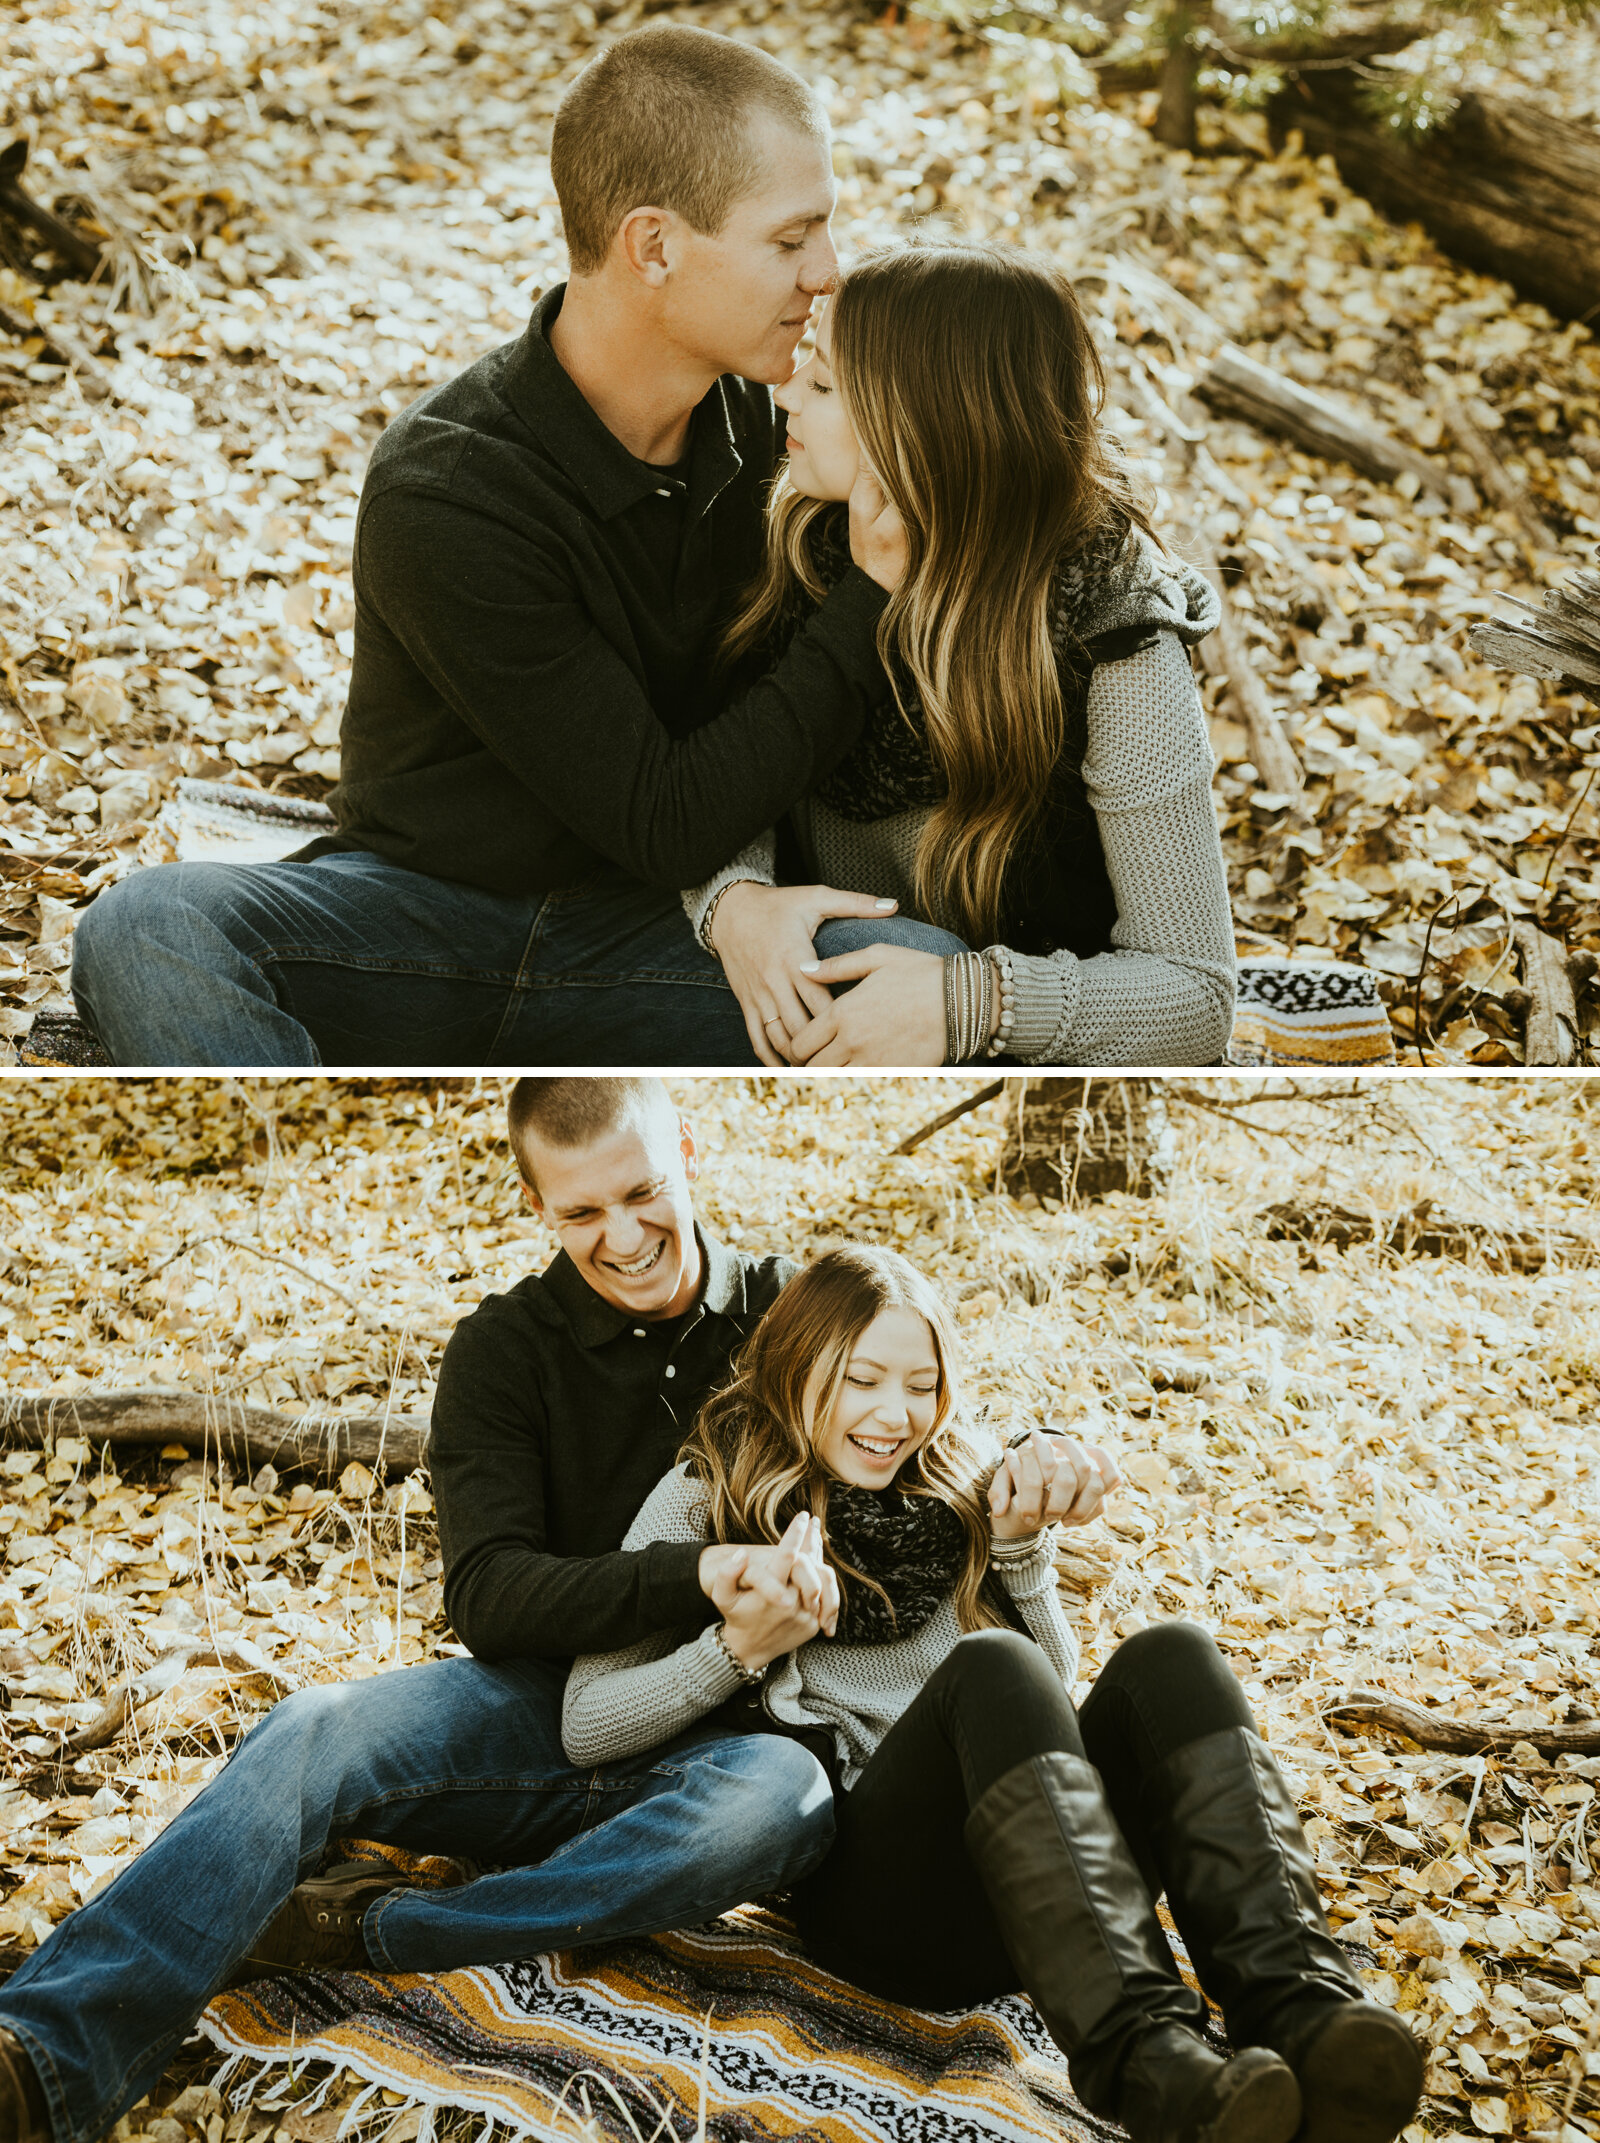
24, 2116
318, 1927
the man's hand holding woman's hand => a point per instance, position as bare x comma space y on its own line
772, 1600
1049, 1480
763, 936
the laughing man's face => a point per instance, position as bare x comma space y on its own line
624, 1214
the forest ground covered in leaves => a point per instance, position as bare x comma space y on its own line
1362, 1470
313, 210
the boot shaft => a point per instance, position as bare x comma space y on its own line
1241, 1883
1076, 1917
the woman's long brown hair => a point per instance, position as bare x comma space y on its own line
753, 1443
971, 379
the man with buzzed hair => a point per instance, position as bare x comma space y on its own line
541, 746
560, 1404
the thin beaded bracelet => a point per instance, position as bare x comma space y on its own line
1001, 956
752, 1677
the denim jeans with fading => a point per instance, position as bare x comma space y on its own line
349, 960
457, 1757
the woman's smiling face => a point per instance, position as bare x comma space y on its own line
824, 453
886, 1404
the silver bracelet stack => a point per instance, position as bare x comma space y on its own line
968, 1005
1001, 957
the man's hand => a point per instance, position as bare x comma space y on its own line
877, 533
762, 935
1049, 1480
894, 1015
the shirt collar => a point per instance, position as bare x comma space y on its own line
547, 400
594, 1321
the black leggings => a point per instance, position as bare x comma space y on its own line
897, 1907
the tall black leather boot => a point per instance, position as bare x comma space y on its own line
1240, 1882
1083, 1935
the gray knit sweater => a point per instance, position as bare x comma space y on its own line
1164, 994
621, 1703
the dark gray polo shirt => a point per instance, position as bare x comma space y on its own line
535, 692
555, 1416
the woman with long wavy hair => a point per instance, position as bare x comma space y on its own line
1034, 792
990, 1836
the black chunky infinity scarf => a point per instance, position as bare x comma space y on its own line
890, 767
913, 1546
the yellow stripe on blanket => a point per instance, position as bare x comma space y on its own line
1298, 1013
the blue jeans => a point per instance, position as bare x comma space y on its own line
352, 961
456, 1757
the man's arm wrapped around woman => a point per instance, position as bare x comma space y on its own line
621, 1703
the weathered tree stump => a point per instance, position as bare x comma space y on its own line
1560, 643
1077, 1139
1505, 187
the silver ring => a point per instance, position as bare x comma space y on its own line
773, 1022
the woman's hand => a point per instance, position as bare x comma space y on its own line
894, 1015
877, 533
785, 1596
762, 935
1049, 1480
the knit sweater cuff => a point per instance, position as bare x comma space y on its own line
1046, 1006
1026, 1567
707, 1670
757, 862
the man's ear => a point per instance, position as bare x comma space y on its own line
533, 1197
646, 239
688, 1148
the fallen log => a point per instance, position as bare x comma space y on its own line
1144, 70
1423, 1231
1377, 1714
247, 1437
1237, 385
1271, 753
1505, 187
1226, 652
1311, 599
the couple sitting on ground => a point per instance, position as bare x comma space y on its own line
932, 781
820, 1650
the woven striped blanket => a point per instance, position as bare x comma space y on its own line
725, 2032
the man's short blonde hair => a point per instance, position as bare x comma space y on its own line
662, 120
